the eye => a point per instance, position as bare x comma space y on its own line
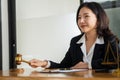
87, 16
79, 17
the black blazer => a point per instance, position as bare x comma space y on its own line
75, 54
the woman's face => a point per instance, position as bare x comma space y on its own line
87, 20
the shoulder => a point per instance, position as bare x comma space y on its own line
76, 38
111, 38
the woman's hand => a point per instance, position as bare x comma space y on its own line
38, 63
80, 65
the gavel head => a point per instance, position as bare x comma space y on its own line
18, 59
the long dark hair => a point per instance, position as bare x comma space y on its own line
102, 19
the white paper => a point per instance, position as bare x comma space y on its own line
66, 70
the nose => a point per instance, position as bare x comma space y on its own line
82, 20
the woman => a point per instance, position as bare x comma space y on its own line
89, 48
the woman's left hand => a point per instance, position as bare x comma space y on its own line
80, 65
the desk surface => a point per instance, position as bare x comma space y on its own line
28, 74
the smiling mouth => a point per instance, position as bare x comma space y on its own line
83, 26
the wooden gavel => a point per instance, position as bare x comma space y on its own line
19, 59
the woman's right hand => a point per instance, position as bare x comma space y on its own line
37, 63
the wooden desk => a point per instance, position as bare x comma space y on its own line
28, 74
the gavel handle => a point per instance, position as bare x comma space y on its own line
26, 61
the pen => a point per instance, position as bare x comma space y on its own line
65, 69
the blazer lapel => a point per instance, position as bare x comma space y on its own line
78, 55
98, 51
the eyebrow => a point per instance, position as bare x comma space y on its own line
84, 14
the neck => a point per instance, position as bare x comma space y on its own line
91, 36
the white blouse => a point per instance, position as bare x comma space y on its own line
88, 57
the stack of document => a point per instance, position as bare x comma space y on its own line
63, 70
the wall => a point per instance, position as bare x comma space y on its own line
114, 17
5, 45
45, 28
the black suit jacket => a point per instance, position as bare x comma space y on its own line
75, 54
